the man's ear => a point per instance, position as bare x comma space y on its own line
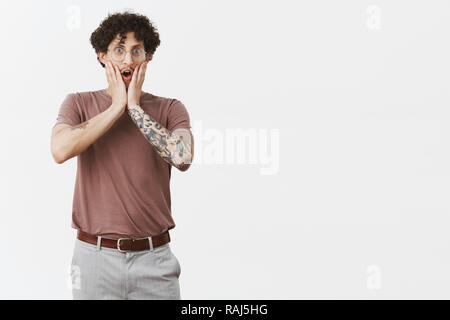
101, 57
148, 58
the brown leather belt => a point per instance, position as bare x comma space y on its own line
126, 244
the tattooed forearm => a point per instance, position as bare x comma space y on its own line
173, 147
80, 126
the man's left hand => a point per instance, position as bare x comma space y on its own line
135, 88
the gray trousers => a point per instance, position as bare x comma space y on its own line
106, 273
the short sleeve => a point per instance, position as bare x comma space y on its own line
178, 117
68, 112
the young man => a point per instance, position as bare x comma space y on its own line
126, 142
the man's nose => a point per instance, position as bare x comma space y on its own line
128, 60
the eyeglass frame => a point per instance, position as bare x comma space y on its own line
126, 51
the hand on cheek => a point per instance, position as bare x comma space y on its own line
135, 87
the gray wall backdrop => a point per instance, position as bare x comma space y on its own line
322, 144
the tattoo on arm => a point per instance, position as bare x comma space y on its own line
171, 146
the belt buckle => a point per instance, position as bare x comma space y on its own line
118, 244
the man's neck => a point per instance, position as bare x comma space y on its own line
109, 91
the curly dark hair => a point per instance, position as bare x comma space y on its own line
122, 23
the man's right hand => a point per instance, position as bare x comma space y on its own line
117, 86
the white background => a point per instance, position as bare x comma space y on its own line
358, 90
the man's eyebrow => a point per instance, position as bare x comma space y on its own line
121, 45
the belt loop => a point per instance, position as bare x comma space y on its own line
99, 242
150, 241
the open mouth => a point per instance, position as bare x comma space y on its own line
127, 74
